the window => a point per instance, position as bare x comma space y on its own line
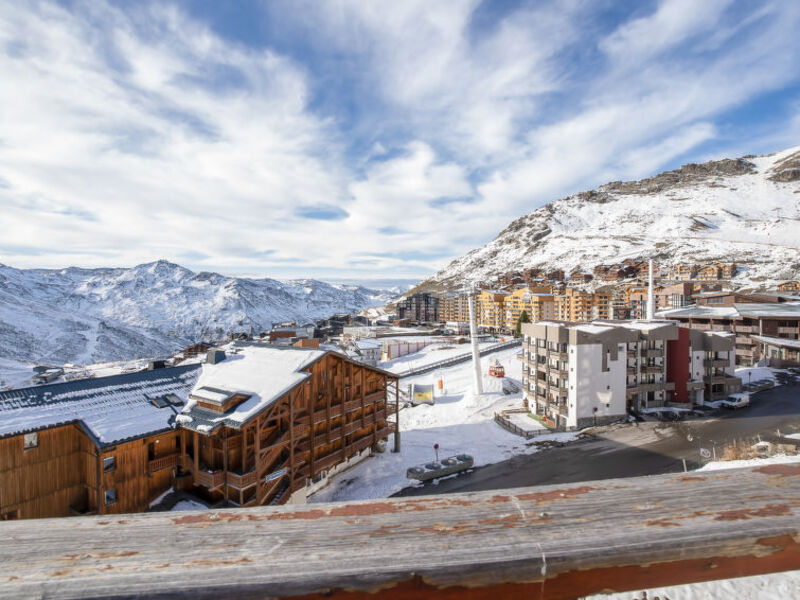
109, 464
110, 497
31, 440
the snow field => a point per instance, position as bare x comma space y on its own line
459, 422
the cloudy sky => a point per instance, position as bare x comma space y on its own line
354, 138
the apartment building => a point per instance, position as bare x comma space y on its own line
538, 305
454, 307
744, 319
579, 374
684, 272
576, 375
577, 305
490, 308
419, 308
791, 287
710, 371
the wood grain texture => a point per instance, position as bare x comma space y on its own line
543, 542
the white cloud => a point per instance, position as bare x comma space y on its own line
136, 133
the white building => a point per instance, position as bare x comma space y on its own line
578, 374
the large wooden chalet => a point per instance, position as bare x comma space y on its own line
260, 427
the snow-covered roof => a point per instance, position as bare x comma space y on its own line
784, 342
111, 409
368, 344
708, 312
264, 373
592, 328
739, 309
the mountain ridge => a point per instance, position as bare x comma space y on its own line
84, 315
744, 210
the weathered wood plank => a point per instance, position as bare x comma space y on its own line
544, 542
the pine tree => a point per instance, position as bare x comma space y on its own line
523, 318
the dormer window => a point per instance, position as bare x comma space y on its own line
217, 399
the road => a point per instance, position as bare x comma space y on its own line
634, 450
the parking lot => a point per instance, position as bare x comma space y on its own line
636, 449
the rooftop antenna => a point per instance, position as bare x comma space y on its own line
651, 302
473, 335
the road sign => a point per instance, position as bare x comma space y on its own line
705, 452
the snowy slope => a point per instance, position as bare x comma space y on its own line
89, 315
746, 210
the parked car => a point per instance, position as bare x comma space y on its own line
736, 401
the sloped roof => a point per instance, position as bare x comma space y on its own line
264, 373
111, 409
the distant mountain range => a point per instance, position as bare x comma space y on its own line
745, 210
89, 315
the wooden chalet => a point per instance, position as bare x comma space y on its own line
265, 424
259, 427
93, 446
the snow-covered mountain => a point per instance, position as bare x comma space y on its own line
745, 210
87, 315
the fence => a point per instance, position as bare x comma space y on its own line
460, 358
502, 419
546, 542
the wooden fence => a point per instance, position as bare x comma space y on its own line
549, 542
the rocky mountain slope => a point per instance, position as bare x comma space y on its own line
88, 315
745, 210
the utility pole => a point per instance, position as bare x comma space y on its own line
476, 355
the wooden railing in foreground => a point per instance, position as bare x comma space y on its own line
545, 542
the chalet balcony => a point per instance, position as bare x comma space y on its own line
740, 339
653, 369
630, 370
241, 481
211, 479
701, 326
631, 353
788, 330
652, 352
169, 461
746, 329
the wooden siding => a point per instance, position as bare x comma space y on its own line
135, 486
47, 480
59, 477
338, 412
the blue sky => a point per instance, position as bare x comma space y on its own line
352, 139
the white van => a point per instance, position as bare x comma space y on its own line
737, 400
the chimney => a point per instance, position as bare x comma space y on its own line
651, 302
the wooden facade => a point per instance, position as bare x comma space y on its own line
336, 414
333, 416
58, 477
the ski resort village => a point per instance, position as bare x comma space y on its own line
347, 300
648, 365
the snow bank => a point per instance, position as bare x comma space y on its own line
759, 587
753, 462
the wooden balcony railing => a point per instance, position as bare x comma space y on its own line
241, 481
165, 462
548, 542
569, 541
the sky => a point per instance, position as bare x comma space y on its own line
360, 139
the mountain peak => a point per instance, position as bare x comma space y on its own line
744, 210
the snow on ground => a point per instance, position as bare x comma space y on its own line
459, 422
749, 374
759, 587
15, 374
431, 354
188, 505
526, 422
778, 459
